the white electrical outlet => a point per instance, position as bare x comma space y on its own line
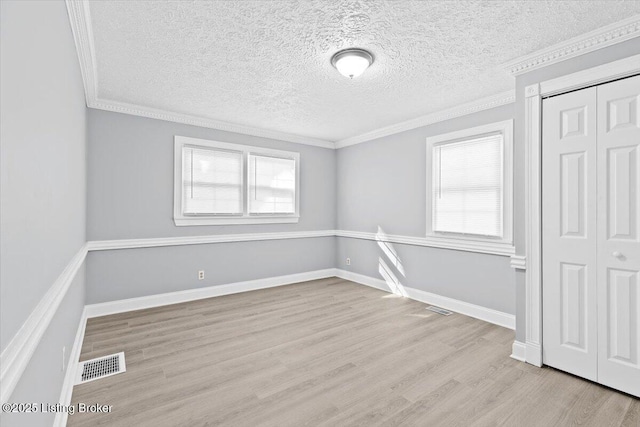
201, 275
64, 358
348, 261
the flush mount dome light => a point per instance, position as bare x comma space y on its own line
352, 62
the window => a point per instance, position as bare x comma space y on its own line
211, 181
469, 184
222, 183
272, 185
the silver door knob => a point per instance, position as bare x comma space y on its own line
617, 254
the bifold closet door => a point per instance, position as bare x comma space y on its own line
569, 247
618, 143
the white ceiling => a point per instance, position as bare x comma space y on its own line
266, 64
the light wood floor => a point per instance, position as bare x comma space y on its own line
331, 353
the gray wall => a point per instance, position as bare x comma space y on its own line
485, 280
593, 59
129, 273
42, 185
382, 184
130, 187
130, 179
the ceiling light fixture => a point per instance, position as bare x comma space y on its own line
352, 62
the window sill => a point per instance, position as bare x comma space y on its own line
185, 221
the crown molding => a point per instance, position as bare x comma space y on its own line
80, 19
152, 113
609, 35
492, 101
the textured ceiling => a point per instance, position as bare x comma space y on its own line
266, 64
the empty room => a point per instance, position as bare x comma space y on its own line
320, 213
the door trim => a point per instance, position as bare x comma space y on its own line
533, 183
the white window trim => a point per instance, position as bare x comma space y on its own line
466, 242
184, 220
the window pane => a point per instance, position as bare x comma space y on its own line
272, 185
211, 181
467, 186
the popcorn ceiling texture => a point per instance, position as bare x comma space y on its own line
267, 63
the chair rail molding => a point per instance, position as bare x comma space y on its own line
533, 95
17, 354
484, 247
519, 262
103, 245
609, 35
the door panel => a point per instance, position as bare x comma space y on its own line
573, 208
574, 306
622, 112
618, 243
569, 233
623, 193
623, 305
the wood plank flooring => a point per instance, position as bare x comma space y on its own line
327, 353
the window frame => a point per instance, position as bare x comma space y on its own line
465, 241
180, 219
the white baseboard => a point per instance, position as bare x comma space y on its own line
121, 306
363, 280
70, 375
487, 314
519, 351
483, 313
533, 354
17, 354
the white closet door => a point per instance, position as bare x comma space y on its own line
618, 235
569, 233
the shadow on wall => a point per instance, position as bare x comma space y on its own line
393, 259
